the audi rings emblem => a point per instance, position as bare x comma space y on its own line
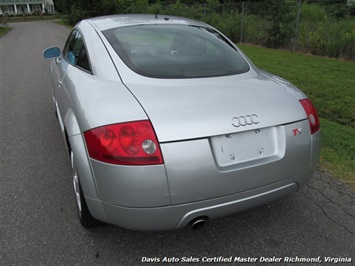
245, 120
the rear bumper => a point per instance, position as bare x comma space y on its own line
178, 216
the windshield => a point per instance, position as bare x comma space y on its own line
176, 51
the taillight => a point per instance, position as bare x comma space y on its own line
132, 143
311, 115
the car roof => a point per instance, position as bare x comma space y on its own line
114, 21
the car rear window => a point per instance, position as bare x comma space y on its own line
176, 51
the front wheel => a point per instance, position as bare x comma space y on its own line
85, 217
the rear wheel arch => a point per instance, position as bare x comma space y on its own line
71, 125
66, 137
77, 146
78, 156
84, 214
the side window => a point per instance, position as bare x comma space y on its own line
75, 51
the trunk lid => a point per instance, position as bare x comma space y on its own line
198, 108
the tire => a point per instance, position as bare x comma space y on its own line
85, 217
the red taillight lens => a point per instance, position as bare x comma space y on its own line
133, 143
311, 115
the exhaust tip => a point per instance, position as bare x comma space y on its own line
198, 223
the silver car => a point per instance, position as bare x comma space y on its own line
168, 124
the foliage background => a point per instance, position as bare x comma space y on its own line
320, 27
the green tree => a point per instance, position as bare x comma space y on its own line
281, 15
62, 6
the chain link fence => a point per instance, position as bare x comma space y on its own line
320, 27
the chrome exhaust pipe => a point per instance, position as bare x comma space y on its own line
198, 223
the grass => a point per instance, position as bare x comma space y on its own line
329, 83
63, 23
4, 30
331, 86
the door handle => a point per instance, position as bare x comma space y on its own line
60, 81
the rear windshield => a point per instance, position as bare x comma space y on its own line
175, 51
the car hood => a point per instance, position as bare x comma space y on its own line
198, 108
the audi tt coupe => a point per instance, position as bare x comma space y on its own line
167, 123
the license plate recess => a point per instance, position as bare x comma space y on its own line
247, 148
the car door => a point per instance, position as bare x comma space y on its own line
74, 58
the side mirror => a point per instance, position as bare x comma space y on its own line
51, 52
